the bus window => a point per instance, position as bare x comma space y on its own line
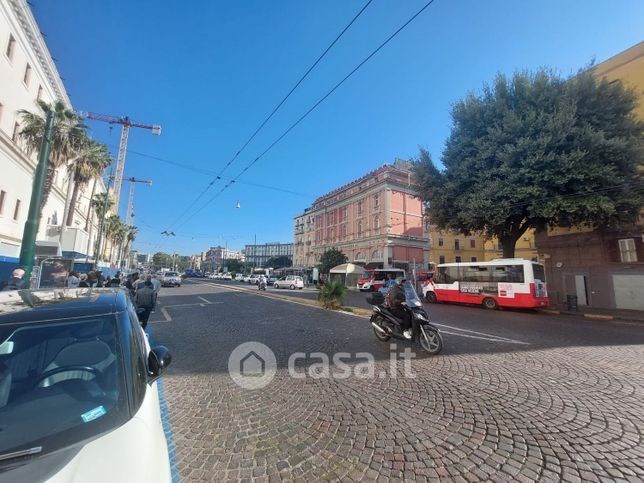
539, 272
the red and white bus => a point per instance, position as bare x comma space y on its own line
509, 282
374, 279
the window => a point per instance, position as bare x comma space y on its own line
376, 200
627, 251
344, 213
441, 259
457, 259
359, 228
360, 207
457, 244
3, 195
27, 75
16, 211
344, 230
10, 46
16, 132
39, 96
473, 259
440, 243
473, 245
376, 222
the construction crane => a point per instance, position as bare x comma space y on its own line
127, 123
130, 204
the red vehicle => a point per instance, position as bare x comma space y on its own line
374, 279
511, 282
423, 278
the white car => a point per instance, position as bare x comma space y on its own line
226, 276
253, 279
246, 278
290, 281
171, 279
239, 277
78, 388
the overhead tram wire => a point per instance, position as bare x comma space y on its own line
275, 109
315, 106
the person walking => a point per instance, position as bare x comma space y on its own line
16, 281
83, 281
145, 299
156, 283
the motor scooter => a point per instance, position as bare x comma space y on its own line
386, 325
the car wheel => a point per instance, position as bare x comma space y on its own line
292, 287
301, 288
179, 285
276, 286
430, 297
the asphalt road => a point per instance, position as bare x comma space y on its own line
513, 396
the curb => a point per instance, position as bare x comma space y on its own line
591, 316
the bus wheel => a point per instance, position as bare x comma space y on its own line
430, 297
490, 303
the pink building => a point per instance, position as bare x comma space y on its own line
375, 220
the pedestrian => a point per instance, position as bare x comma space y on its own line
140, 282
16, 281
145, 299
100, 279
83, 281
92, 278
73, 280
156, 283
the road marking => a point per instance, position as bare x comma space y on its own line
166, 314
493, 339
201, 298
481, 333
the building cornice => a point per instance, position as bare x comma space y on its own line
36, 41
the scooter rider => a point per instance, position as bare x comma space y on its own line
261, 285
396, 301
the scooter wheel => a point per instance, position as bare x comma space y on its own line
431, 340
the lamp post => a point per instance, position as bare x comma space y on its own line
28, 247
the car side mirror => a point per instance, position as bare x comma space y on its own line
159, 359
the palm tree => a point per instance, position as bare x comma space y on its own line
90, 161
67, 134
130, 235
101, 204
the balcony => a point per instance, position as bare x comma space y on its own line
74, 240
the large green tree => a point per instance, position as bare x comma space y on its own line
331, 258
162, 260
537, 150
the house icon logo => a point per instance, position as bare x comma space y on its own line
252, 365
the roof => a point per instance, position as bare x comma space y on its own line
35, 305
347, 268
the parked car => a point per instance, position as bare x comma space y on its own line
290, 281
253, 279
239, 277
171, 279
226, 276
271, 280
246, 278
78, 389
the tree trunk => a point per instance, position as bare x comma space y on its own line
89, 207
508, 243
49, 183
72, 205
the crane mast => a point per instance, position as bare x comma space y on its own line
126, 123
130, 204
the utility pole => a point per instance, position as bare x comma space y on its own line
28, 247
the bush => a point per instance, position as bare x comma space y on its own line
332, 294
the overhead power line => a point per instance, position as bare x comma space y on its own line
275, 109
312, 108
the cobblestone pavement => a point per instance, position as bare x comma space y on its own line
494, 406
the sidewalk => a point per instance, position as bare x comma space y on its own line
598, 314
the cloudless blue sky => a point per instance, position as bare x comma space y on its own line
210, 71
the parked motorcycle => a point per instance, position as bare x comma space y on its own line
386, 325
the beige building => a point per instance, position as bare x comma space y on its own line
449, 247
525, 247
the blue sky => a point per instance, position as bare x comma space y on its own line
210, 71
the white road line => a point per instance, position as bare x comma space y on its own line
201, 298
481, 333
493, 339
166, 314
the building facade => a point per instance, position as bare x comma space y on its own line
258, 255
217, 256
29, 74
376, 221
601, 268
525, 247
450, 247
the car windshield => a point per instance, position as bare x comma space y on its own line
60, 382
367, 275
170, 274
